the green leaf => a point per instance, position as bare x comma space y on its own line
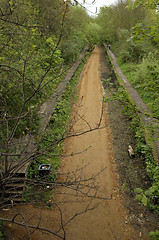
144, 200
151, 190
138, 197
138, 190
154, 235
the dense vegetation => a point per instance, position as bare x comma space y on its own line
134, 36
39, 42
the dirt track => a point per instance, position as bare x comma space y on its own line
110, 219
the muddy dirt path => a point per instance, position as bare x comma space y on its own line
107, 220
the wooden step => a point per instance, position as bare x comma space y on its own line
17, 180
15, 186
12, 200
12, 192
19, 175
17, 200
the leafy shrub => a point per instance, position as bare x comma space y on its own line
73, 46
154, 235
146, 81
149, 197
94, 33
132, 51
26, 62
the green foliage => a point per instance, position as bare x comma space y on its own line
50, 15
77, 19
141, 196
154, 235
74, 34
148, 4
116, 19
73, 46
94, 33
133, 30
131, 51
29, 60
136, 43
140, 75
146, 33
40, 195
149, 197
144, 78
129, 109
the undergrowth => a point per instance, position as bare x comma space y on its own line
1, 231
53, 140
148, 197
145, 78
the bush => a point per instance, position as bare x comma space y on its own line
73, 46
146, 81
154, 235
132, 51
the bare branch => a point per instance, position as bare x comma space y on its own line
24, 223
87, 208
122, 234
33, 227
